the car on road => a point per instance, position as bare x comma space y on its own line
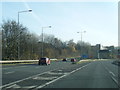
73, 60
44, 61
64, 59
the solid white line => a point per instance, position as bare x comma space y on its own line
44, 78
9, 72
41, 86
51, 81
24, 79
112, 73
14, 86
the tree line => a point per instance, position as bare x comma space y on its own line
19, 43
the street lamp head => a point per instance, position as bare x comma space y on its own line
50, 26
30, 10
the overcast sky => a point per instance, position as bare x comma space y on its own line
98, 19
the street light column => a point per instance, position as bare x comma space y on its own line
18, 40
81, 34
18, 18
20, 32
42, 51
81, 40
42, 42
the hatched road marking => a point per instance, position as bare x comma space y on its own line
41, 86
22, 80
44, 78
41, 77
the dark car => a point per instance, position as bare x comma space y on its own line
64, 59
43, 61
73, 61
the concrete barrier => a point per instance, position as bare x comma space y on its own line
21, 61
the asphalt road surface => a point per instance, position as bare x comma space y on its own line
95, 74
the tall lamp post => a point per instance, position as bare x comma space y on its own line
81, 38
20, 32
81, 34
43, 39
23, 12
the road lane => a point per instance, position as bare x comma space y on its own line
61, 68
24, 71
62, 75
113, 70
110, 66
92, 76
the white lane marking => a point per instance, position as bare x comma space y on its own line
52, 73
14, 86
17, 86
51, 81
112, 73
116, 81
59, 70
9, 72
41, 86
44, 78
24, 79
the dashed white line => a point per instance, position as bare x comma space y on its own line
112, 73
116, 81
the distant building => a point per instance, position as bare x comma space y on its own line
107, 52
104, 54
95, 51
118, 55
